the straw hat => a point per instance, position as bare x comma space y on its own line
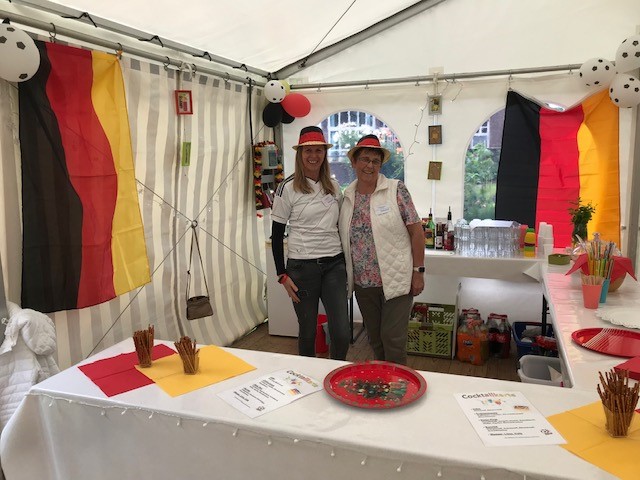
312, 136
369, 141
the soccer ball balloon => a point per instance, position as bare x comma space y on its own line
274, 91
624, 91
20, 56
597, 72
628, 55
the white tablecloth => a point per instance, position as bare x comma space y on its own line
564, 294
66, 428
517, 269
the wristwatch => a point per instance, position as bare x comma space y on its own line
419, 269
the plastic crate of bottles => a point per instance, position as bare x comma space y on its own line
431, 330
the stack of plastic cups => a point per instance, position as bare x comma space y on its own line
545, 238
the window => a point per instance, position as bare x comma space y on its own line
482, 135
344, 129
481, 169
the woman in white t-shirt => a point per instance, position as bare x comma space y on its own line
309, 202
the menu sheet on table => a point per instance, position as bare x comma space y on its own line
507, 418
270, 392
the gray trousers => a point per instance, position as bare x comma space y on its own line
387, 323
324, 279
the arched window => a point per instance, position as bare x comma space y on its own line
481, 168
344, 129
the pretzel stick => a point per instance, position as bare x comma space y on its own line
619, 401
143, 342
188, 354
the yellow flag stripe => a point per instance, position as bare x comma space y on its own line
129, 251
599, 165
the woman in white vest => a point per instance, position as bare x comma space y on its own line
309, 202
383, 243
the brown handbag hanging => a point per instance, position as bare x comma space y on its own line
200, 305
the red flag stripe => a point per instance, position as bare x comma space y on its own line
90, 166
559, 177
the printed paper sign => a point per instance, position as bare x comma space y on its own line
270, 392
507, 418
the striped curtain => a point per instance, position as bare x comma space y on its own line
215, 191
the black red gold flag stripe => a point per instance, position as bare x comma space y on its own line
549, 159
83, 239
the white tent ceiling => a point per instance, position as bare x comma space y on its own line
264, 34
273, 36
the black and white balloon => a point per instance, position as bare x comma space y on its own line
628, 55
624, 90
597, 72
19, 54
274, 91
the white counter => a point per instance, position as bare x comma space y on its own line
67, 429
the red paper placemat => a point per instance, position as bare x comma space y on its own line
118, 374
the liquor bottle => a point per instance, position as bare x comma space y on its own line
430, 232
439, 240
449, 233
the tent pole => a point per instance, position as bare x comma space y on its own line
634, 196
113, 46
4, 310
441, 76
99, 22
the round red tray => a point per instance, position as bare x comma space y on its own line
375, 385
612, 341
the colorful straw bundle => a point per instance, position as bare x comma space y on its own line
188, 354
619, 401
600, 256
143, 341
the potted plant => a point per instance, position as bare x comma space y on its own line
580, 215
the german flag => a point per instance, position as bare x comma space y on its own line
549, 159
83, 239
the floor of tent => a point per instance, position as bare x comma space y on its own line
498, 368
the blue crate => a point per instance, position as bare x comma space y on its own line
527, 348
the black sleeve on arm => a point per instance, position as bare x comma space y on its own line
277, 246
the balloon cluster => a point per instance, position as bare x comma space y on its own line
283, 106
624, 88
19, 54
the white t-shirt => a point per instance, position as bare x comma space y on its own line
312, 217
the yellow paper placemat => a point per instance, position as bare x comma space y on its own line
584, 430
215, 365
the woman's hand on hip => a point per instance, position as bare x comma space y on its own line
417, 283
291, 289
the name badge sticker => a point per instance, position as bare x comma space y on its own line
328, 200
382, 209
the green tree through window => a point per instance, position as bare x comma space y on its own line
344, 129
481, 169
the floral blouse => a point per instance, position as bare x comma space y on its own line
366, 270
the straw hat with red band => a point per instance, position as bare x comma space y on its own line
311, 136
369, 141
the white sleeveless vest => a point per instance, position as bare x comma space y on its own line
390, 236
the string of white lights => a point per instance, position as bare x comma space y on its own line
454, 471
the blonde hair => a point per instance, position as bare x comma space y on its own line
300, 183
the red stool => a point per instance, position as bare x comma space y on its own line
321, 338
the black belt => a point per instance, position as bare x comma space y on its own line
320, 260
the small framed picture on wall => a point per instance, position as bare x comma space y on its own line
435, 134
184, 103
435, 171
435, 104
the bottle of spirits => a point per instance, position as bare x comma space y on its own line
449, 233
439, 241
430, 232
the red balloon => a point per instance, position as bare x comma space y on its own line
296, 105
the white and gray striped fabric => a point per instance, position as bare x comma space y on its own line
216, 190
